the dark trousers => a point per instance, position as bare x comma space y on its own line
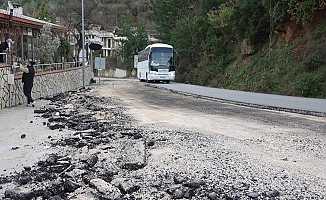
28, 92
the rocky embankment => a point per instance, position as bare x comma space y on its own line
108, 157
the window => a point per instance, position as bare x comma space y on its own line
143, 55
162, 56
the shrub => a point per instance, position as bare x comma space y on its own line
302, 11
315, 60
309, 85
223, 17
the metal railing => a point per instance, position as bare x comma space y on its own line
42, 68
45, 68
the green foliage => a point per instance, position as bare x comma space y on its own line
36, 8
166, 14
185, 36
208, 35
263, 73
223, 17
278, 10
315, 55
309, 85
303, 11
299, 10
251, 21
320, 31
277, 73
47, 45
42, 11
315, 59
64, 49
136, 40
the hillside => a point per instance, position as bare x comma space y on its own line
263, 46
108, 13
291, 68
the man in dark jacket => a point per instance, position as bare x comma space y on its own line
28, 80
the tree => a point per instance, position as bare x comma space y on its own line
42, 11
106, 13
137, 40
71, 14
47, 45
167, 13
64, 50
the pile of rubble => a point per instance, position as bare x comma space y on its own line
106, 149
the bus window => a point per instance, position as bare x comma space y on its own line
162, 57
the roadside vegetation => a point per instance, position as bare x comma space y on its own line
272, 46
137, 41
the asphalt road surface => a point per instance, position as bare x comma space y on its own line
279, 102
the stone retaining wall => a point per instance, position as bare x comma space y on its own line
46, 84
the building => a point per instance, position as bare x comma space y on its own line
105, 38
19, 34
19, 39
111, 43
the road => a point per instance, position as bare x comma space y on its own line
300, 105
291, 142
140, 142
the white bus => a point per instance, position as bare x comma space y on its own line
156, 63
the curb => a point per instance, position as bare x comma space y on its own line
239, 103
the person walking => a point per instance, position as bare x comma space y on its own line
28, 80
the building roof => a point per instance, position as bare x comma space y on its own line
27, 21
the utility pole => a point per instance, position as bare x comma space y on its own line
83, 38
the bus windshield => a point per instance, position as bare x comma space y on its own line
162, 57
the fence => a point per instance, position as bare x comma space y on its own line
44, 68
50, 79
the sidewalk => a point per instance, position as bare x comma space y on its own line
17, 152
269, 101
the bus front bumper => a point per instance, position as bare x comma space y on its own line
161, 77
